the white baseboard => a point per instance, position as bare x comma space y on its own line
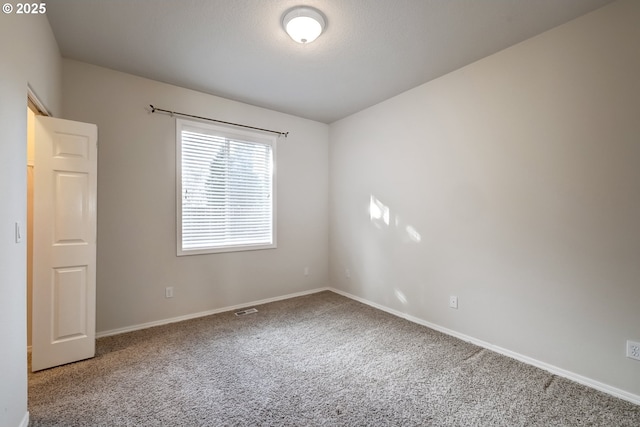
203, 313
613, 391
25, 420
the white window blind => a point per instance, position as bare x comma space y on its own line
226, 189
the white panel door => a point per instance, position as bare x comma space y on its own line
64, 244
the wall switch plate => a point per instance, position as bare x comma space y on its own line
633, 350
168, 292
19, 233
453, 301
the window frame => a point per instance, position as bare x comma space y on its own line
226, 132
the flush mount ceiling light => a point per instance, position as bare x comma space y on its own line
303, 24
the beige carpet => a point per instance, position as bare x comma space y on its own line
318, 360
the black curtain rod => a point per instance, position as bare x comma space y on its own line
154, 109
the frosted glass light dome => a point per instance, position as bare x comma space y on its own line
303, 24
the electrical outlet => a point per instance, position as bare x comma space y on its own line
633, 350
168, 292
306, 271
453, 301
347, 273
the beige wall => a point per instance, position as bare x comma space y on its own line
137, 206
29, 56
514, 184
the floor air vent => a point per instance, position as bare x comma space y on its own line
247, 311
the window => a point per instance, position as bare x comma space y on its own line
225, 189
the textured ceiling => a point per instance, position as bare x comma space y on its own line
371, 49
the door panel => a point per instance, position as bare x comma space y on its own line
70, 302
65, 185
72, 216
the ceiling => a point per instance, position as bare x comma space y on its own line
371, 49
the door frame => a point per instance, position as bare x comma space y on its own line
38, 108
